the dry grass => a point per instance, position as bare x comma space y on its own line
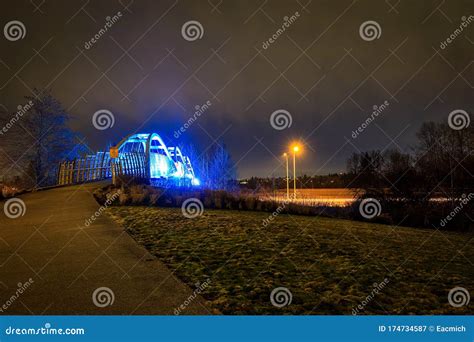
329, 265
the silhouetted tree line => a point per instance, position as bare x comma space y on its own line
441, 165
333, 180
422, 187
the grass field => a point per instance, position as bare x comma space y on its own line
329, 265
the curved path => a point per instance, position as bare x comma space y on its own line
68, 261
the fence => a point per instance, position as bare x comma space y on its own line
100, 166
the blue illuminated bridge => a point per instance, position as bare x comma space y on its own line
143, 155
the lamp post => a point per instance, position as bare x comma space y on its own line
295, 149
287, 177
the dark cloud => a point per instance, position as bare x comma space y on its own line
319, 70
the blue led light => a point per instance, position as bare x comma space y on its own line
166, 163
159, 167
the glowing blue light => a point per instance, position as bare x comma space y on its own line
179, 170
158, 166
164, 162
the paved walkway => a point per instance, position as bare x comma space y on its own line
68, 261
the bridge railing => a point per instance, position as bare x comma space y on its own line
100, 166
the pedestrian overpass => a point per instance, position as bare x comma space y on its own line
141, 155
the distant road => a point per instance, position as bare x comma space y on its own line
328, 196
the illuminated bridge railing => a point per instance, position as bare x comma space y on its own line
140, 155
100, 166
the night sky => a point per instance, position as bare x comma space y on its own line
320, 70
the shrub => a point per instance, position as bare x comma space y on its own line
154, 199
249, 203
138, 199
409, 213
124, 198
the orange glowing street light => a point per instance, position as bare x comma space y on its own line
287, 177
295, 148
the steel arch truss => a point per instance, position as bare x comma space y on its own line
162, 162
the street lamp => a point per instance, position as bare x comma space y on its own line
295, 149
287, 177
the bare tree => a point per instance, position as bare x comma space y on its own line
198, 161
222, 170
445, 158
366, 168
39, 140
